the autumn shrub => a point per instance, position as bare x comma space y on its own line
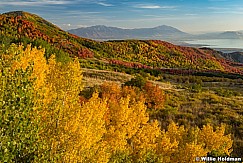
138, 81
225, 92
196, 88
155, 97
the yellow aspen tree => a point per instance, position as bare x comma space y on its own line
175, 132
120, 127
63, 84
190, 147
72, 132
216, 140
127, 121
56, 88
35, 58
168, 142
145, 140
189, 153
127, 124
193, 143
32, 56
146, 137
88, 129
176, 145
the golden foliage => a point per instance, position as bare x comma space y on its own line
97, 129
191, 152
32, 56
86, 133
215, 140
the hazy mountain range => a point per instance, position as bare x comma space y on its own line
221, 35
103, 33
163, 32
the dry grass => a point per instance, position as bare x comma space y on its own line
93, 77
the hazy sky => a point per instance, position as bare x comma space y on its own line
186, 15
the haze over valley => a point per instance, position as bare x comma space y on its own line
227, 39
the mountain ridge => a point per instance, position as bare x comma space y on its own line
105, 32
162, 32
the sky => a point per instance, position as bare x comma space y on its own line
192, 16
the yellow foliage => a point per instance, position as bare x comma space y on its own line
178, 144
118, 122
190, 153
176, 133
60, 103
124, 122
85, 143
168, 142
127, 122
215, 140
32, 56
146, 138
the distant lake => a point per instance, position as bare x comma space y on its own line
219, 43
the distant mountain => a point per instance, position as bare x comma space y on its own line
221, 35
231, 35
163, 32
102, 32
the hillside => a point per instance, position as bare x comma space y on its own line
24, 27
101, 32
122, 82
151, 54
235, 56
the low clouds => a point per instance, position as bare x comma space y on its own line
146, 6
104, 4
226, 10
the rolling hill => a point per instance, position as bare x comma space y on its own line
19, 26
156, 55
